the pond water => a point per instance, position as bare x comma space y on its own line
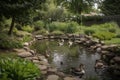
64, 57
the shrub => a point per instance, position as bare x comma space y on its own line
43, 32
57, 33
40, 47
89, 31
72, 27
27, 28
113, 30
7, 42
38, 25
61, 26
27, 38
118, 35
104, 35
18, 26
18, 69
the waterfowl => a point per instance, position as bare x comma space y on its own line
78, 71
70, 43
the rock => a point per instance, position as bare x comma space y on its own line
19, 50
53, 77
36, 61
42, 67
26, 48
43, 63
26, 44
98, 50
32, 52
105, 52
69, 78
44, 72
52, 70
25, 54
41, 57
117, 59
61, 74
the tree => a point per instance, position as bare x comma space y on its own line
16, 9
111, 7
76, 6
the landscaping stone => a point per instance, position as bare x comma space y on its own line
26, 44
53, 77
69, 78
36, 61
117, 59
44, 72
25, 54
43, 63
52, 70
42, 67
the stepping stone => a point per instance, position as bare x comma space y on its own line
42, 67
25, 54
53, 77
69, 78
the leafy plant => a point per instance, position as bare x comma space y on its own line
57, 33
104, 35
38, 25
27, 28
18, 69
89, 31
7, 42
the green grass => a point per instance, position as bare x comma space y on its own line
113, 41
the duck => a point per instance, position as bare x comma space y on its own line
70, 43
99, 64
78, 71
60, 43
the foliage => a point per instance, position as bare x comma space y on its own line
7, 42
113, 30
40, 47
91, 78
110, 8
28, 28
42, 32
38, 25
61, 26
113, 41
104, 35
89, 31
57, 33
27, 38
18, 69
19, 10
72, 27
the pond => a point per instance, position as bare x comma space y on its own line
64, 57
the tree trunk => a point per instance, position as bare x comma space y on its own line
11, 26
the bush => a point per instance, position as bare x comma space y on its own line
104, 35
89, 31
61, 26
118, 35
7, 42
18, 69
57, 33
18, 26
38, 25
42, 32
27, 38
72, 27
27, 28
40, 47
113, 30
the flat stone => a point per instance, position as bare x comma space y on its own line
41, 57
42, 67
69, 78
117, 59
61, 74
32, 52
43, 63
26, 44
43, 72
36, 61
53, 77
26, 48
105, 52
52, 70
24, 54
